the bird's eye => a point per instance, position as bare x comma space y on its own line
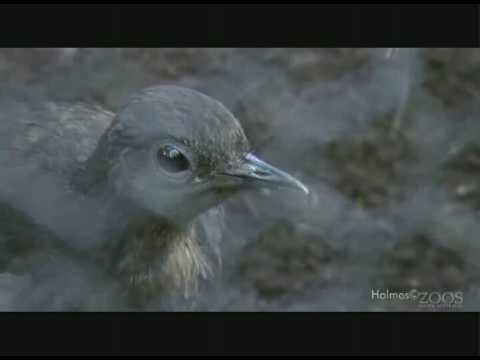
172, 160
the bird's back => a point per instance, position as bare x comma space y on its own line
53, 137
41, 148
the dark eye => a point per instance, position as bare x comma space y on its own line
172, 160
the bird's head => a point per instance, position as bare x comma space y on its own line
176, 152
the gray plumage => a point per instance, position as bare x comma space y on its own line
116, 211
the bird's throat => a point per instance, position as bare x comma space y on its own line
156, 258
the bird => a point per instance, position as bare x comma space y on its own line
119, 198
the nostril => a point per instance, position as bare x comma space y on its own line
261, 173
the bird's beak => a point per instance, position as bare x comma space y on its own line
252, 169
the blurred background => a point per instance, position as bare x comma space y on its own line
387, 140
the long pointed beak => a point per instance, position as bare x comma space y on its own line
255, 170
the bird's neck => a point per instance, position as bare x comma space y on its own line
155, 256
148, 254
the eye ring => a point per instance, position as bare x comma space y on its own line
172, 160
